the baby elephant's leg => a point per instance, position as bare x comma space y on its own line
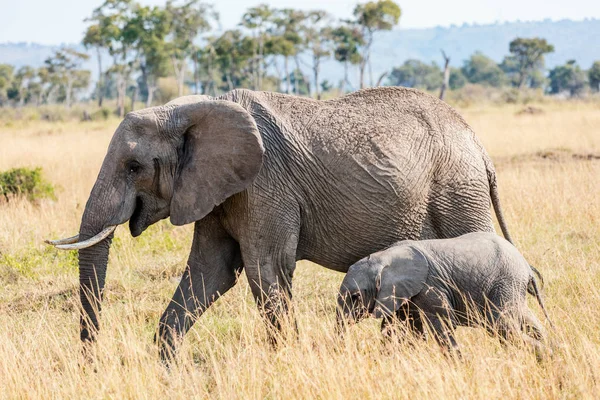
532, 326
390, 323
515, 328
533, 334
442, 327
408, 319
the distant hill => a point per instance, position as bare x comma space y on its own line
572, 40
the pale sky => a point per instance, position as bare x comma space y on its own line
61, 21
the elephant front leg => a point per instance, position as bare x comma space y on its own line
213, 268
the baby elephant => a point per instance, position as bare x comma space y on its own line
477, 278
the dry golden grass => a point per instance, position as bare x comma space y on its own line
553, 210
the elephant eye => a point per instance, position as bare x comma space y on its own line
133, 167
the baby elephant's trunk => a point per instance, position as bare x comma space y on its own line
534, 290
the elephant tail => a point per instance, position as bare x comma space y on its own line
491, 174
534, 290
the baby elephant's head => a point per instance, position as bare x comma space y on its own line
380, 284
356, 299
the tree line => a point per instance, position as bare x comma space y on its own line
523, 67
271, 49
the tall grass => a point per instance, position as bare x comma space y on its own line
553, 211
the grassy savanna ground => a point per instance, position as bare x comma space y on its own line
552, 203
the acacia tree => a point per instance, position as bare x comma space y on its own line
594, 76
318, 39
277, 46
21, 81
65, 65
208, 70
528, 57
258, 19
567, 78
347, 40
186, 22
286, 39
113, 18
98, 38
6, 77
234, 52
381, 15
147, 30
483, 70
417, 74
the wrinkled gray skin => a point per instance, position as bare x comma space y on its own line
443, 283
269, 179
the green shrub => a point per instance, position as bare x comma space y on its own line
25, 182
102, 114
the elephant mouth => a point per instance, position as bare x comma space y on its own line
137, 222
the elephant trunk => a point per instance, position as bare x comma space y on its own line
93, 259
92, 275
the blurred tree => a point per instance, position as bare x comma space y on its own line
457, 79
593, 76
326, 86
446, 75
276, 46
258, 19
347, 40
234, 52
527, 57
64, 65
416, 74
381, 15
568, 78
21, 81
208, 70
287, 38
97, 37
46, 83
318, 36
301, 82
186, 22
483, 70
147, 30
113, 17
6, 77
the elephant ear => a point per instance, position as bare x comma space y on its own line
221, 155
403, 278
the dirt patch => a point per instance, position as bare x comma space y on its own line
59, 299
549, 155
529, 110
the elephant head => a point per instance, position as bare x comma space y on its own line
356, 297
402, 278
179, 161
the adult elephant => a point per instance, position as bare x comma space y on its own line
269, 179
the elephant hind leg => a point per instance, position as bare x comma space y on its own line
532, 326
534, 334
270, 269
455, 211
513, 329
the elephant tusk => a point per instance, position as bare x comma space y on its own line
89, 242
71, 240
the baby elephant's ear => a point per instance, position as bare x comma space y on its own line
403, 278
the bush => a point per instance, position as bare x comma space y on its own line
25, 182
102, 114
